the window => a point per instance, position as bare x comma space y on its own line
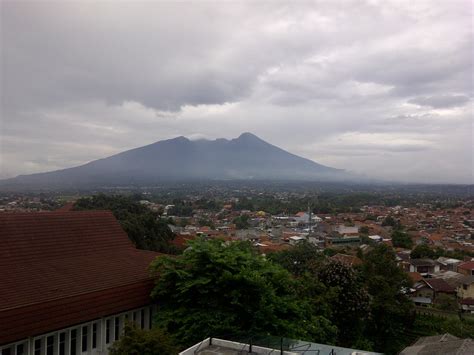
142, 319
107, 331
20, 349
73, 341
94, 335
38, 346
62, 343
84, 338
150, 318
6, 351
50, 345
117, 328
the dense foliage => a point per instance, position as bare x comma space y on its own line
228, 290
391, 312
365, 303
143, 227
426, 325
302, 258
425, 251
401, 239
136, 341
241, 222
349, 303
215, 289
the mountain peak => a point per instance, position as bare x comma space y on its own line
247, 135
245, 157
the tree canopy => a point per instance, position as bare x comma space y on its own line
242, 222
391, 310
216, 289
136, 341
401, 239
422, 251
144, 228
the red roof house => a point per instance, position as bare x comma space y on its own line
60, 269
466, 268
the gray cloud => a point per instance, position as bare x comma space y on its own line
441, 101
370, 86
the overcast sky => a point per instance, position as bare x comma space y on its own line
379, 87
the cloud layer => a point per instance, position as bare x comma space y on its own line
378, 87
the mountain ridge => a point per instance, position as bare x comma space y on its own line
246, 157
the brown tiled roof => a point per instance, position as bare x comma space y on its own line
61, 268
439, 285
415, 276
467, 265
180, 240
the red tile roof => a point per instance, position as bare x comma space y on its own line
181, 240
62, 268
415, 276
469, 265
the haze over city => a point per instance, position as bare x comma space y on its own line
382, 88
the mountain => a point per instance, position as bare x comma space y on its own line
181, 159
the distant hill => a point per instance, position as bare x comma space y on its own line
243, 158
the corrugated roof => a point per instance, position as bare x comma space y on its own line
54, 262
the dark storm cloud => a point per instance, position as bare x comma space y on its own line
383, 81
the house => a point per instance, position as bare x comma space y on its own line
427, 290
466, 287
376, 238
467, 305
340, 242
440, 344
423, 266
415, 276
347, 230
453, 278
466, 268
304, 218
69, 281
296, 239
448, 264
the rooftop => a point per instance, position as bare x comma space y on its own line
270, 345
79, 261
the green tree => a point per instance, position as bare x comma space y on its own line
206, 222
183, 222
143, 227
349, 303
216, 289
389, 221
390, 309
401, 239
242, 222
136, 341
422, 251
303, 257
446, 303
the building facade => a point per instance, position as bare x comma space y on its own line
70, 281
